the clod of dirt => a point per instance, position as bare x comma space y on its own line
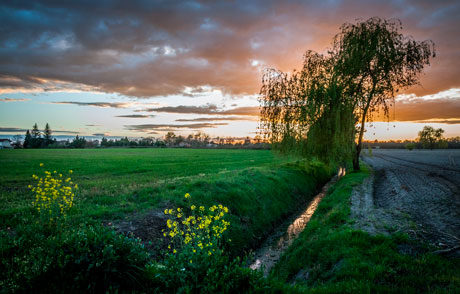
147, 227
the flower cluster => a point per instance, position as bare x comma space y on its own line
54, 194
200, 231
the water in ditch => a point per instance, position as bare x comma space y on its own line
279, 241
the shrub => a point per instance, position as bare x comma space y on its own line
54, 195
196, 262
88, 258
200, 232
410, 146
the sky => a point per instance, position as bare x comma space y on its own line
143, 68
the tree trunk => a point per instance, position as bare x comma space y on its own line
359, 145
356, 166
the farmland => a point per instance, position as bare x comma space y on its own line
129, 189
111, 175
120, 185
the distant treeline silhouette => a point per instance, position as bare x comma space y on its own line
450, 143
43, 139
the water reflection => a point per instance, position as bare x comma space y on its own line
275, 245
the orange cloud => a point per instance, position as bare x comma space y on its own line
164, 48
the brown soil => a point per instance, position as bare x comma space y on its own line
147, 227
417, 192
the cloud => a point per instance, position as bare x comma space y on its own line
135, 116
227, 118
169, 127
205, 109
444, 109
446, 121
101, 134
93, 125
250, 110
97, 104
156, 48
14, 100
20, 130
12, 130
209, 109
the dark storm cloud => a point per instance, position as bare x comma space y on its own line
96, 104
150, 48
209, 109
159, 127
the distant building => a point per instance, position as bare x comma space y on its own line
5, 144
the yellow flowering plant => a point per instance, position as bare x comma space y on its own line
54, 194
198, 232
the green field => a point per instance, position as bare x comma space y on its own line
113, 172
259, 188
116, 184
104, 168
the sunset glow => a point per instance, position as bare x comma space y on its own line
143, 68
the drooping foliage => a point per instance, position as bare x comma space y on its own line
374, 61
318, 110
307, 112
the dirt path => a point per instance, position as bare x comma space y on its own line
275, 244
417, 192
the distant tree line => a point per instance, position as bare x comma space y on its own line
196, 140
36, 138
428, 138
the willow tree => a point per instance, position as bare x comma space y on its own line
306, 112
375, 60
320, 109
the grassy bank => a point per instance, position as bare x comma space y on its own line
258, 189
331, 257
122, 184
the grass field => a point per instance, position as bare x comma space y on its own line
114, 172
114, 184
104, 168
259, 189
